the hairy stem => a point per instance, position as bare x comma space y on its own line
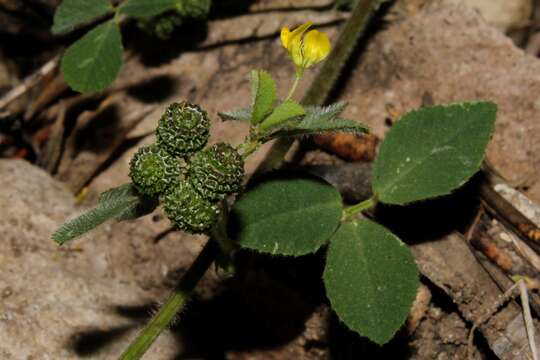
327, 76
248, 147
174, 304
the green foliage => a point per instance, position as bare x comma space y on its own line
121, 203
263, 95
287, 216
217, 171
316, 126
74, 13
161, 18
242, 114
324, 113
370, 279
285, 111
183, 129
370, 275
147, 8
92, 63
154, 170
161, 26
188, 210
197, 9
432, 151
319, 120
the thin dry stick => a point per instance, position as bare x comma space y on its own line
529, 325
504, 211
508, 295
29, 82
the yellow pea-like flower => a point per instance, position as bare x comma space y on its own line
305, 50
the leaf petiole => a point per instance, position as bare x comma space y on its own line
350, 211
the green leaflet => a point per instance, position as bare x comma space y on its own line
74, 13
432, 151
324, 113
242, 114
282, 113
263, 95
319, 119
121, 203
197, 9
370, 279
147, 8
92, 63
287, 216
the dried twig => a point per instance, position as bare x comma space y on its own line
29, 82
507, 296
53, 148
504, 211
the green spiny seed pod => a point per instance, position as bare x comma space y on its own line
216, 171
197, 9
161, 26
153, 170
188, 210
183, 129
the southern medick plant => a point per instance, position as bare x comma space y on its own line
370, 275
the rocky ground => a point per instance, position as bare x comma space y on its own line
88, 299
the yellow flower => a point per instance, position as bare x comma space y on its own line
305, 50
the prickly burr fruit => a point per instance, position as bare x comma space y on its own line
183, 129
153, 170
188, 210
216, 171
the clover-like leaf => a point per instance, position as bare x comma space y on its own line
71, 14
287, 216
318, 119
432, 151
92, 62
324, 113
263, 95
284, 112
121, 203
147, 8
370, 279
197, 9
242, 114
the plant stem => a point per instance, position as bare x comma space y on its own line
174, 304
350, 211
248, 147
297, 77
